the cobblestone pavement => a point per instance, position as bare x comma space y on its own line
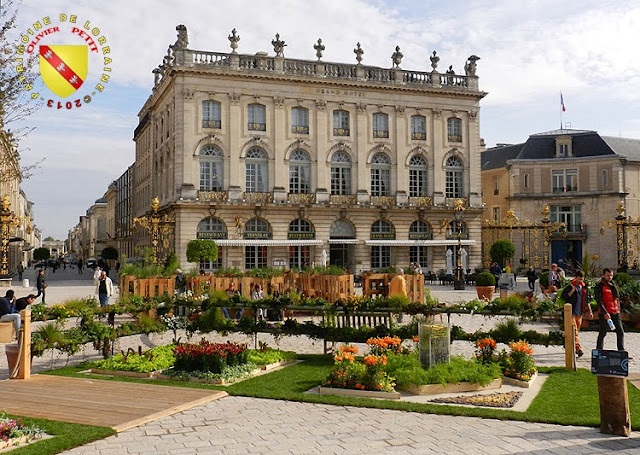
236, 425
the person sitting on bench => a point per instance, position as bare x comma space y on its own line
8, 311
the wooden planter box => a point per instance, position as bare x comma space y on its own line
433, 389
519, 383
128, 374
358, 393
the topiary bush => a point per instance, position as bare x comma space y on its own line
485, 279
501, 250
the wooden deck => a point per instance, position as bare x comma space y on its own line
114, 404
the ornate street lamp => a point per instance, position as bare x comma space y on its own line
159, 227
8, 221
458, 282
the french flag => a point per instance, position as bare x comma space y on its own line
564, 109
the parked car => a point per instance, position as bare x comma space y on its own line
91, 263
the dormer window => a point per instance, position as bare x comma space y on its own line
563, 147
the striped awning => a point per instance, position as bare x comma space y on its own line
417, 242
344, 241
266, 242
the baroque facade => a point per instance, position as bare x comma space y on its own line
580, 175
287, 162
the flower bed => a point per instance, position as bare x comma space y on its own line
14, 432
209, 357
518, 364
359, 374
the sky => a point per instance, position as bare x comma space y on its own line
530, 52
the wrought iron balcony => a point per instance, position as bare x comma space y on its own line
455, 138
341, 132
570, 229
421, 201
212, 196
380, 134
451, 201
382, 200
261, 198
419, 136
252, 126
299, 129
301, 198
343, 199
212, 124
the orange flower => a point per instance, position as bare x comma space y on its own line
521, 346
371, 360
416, 339
486, 342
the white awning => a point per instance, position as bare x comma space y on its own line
344, 241
258, 242
417, 242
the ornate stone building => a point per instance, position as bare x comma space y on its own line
581, 176
286, 162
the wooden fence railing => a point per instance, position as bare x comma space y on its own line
377, 284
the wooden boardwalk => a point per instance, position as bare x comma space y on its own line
113, 404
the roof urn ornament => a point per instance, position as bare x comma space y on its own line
358, 51
470, 66
319, 47
233, 41
278, 46
396, 57
183, 39
434, 60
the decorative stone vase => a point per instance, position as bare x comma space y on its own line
485, 292
434, 344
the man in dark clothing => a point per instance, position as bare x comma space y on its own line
532, 276
23, 302
41, 284
20, 270
80, 266
8, 311
606, 294
576, 294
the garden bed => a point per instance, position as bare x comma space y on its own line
358, 393
434, 389
518, 383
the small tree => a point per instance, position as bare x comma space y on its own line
202, 250
41, 254
502, 250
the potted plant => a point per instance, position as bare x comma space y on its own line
485, 285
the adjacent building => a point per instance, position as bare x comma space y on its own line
293, 162
581, 176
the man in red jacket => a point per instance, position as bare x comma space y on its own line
576, 294
606, 294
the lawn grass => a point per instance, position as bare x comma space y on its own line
65, 436
566, 398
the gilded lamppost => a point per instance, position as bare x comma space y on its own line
159, 227
621, 224
8, 221
458, 282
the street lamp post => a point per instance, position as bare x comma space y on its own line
159, 228
458, 282
8, 221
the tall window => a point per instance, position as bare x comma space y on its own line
564, 180
380, 125
340, 173
570, 215
496, 213
380, 175
382, 229
257, 171
211, 114
454, 173
210, 168
255, 257
299, 172
526, 181
380, 256
496, 186
299, 255
212, 228
418, 253
256, 117
300, 120
418, 128
454, 129
605, 178
340, 123
418, 176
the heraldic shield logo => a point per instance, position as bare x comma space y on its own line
64, 67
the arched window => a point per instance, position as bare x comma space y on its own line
211, 168
299, 255
256, 171
256, 117
454, 177
418, 128
211, 114
255, 256
340, 173
380, 125
418, 171
340, 122
382, 229
380, 175
454, 129
299, 172
299, 120
212, 228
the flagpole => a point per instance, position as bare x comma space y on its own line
561, 104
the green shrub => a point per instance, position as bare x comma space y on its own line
501, 250
544, 279
155, 359
268, 356
507, 331
622, 279
485, 279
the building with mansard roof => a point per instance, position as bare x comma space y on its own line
286, 162
580, 175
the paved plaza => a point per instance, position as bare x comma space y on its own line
236, 425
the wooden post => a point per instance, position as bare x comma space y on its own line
614, 406
569, 338
24, 370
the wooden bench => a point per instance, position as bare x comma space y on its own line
7, 334
356, 320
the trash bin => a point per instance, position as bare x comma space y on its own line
25, 283
12, 351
